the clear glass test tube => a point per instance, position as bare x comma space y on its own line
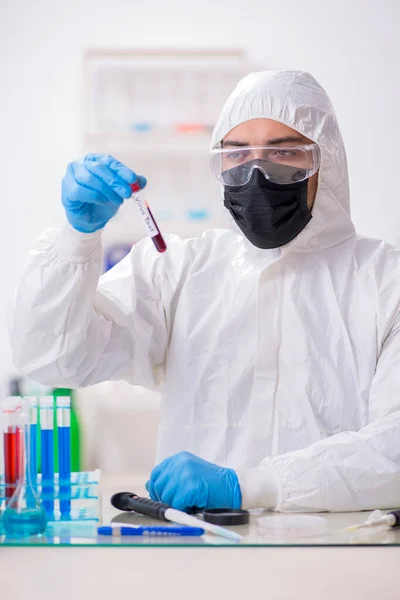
33, 421
47, 451
11, 437
148, 219
63, 404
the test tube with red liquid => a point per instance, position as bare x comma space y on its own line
148, 219
12, 444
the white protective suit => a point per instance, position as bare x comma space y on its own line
282, 364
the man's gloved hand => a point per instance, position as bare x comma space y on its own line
184, 481
93, 189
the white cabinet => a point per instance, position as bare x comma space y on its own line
154, 110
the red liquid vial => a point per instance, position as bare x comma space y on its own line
11, 459
12, 444
148, 219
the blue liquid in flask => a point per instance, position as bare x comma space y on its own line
26, 522
24, 514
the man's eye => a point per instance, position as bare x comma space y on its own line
285, 153
237, 156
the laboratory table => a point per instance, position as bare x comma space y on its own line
280, 565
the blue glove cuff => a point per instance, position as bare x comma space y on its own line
236, 491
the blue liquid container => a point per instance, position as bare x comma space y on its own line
48, 468
30, 521
64, 452
47, 451
24, 514
198, 215
32, 443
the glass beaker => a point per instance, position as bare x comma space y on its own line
24, 514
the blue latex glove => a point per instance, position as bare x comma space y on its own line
184, 481
93, 189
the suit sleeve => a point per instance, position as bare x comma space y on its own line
73, 327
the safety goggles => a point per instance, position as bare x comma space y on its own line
281, 165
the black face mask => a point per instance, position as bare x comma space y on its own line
269, 214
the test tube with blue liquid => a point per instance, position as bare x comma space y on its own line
33, 420
31, 443
47, 451
63, 404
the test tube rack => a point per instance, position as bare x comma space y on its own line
83, 492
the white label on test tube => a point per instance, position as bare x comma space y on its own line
33, 403
63, 404
148, 221
46, 404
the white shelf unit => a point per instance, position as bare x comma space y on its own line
154, 110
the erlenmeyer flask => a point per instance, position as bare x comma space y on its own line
24, 514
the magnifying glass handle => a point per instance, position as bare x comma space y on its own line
131, 502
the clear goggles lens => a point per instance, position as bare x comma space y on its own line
282, 165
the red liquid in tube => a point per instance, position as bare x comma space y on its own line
11, 459
148, 219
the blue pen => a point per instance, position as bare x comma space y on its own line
157, 531
47, 451
63, 404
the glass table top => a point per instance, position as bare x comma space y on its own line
266, 528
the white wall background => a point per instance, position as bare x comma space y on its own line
352, 47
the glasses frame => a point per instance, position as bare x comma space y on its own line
220, 151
